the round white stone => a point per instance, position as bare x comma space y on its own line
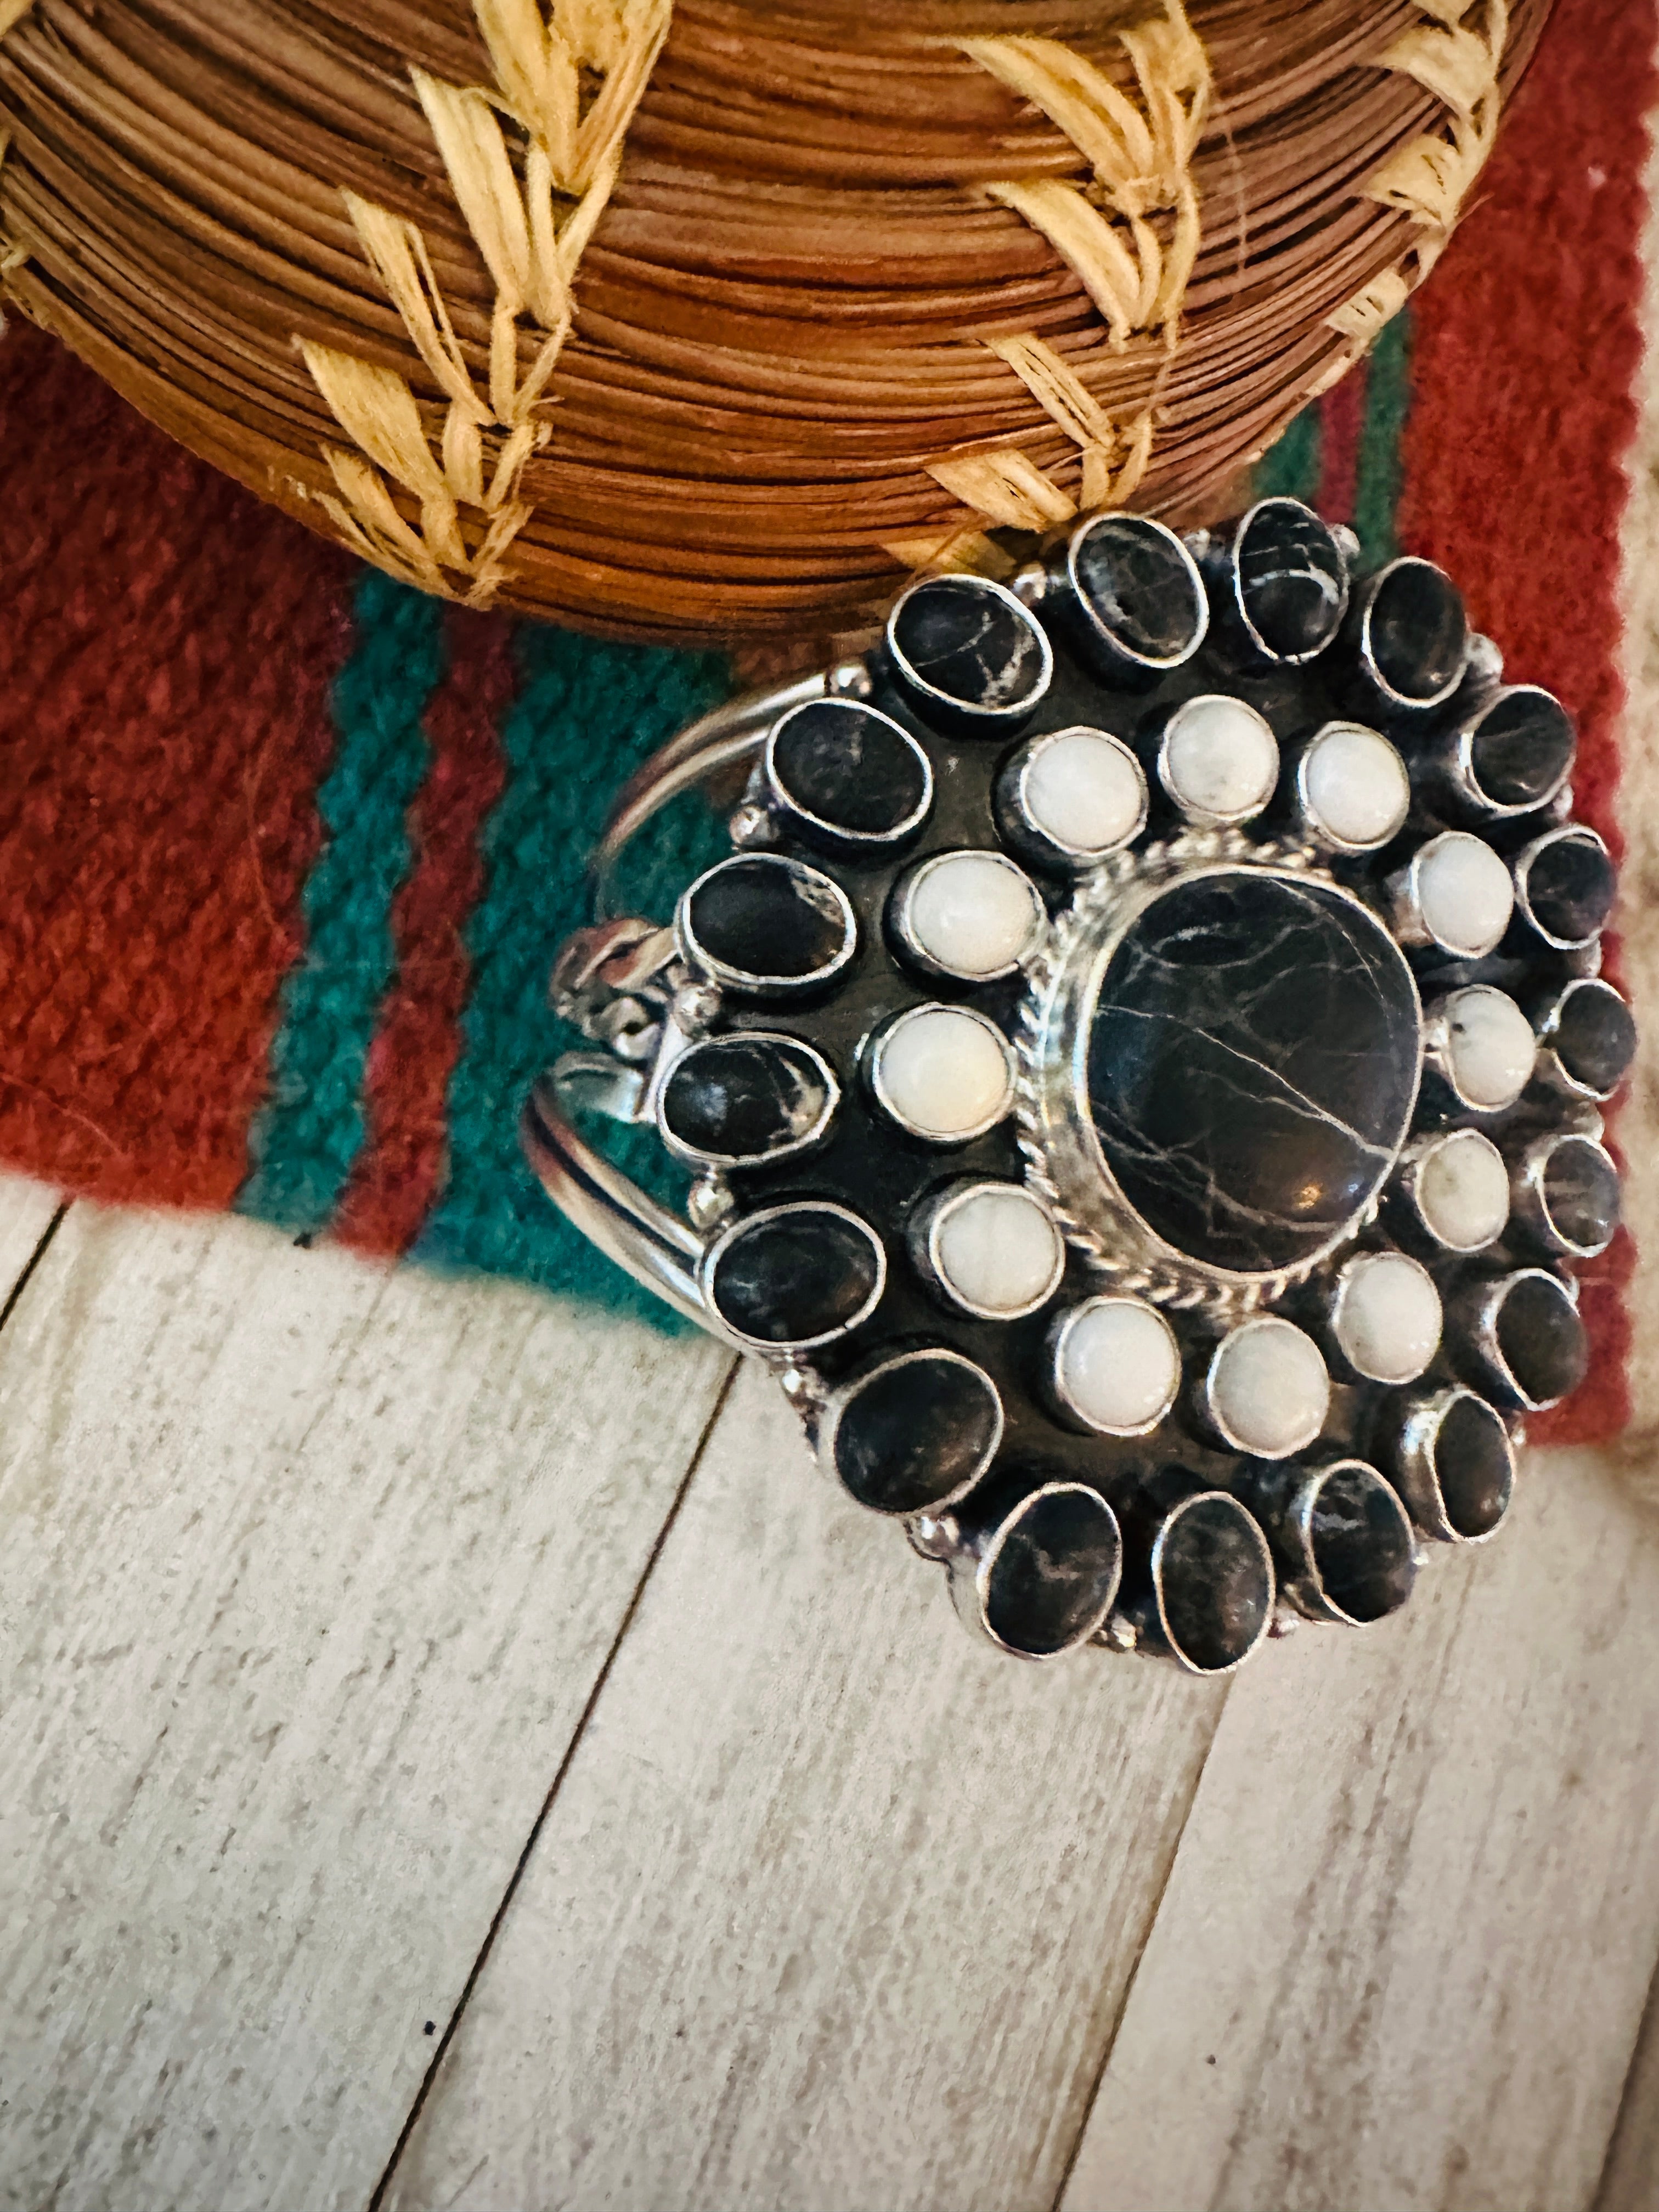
1220, 760
1388, 1317
1355, 786
1117, 1365
997, 1251
1490, 1046
1463, 1191
1084, 791
944, 1073
1269, 1390
1463, 893
972, 914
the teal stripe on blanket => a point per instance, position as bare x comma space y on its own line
307, 1134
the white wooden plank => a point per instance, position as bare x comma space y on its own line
835, 1908
1630, 2178
308, 1571
1405, 1944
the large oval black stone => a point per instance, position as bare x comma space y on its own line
849, 771
1292, 586
916, 1431
749, 1096
1055, 1572
761, 922
1253, 1063
961, 642
797, 1274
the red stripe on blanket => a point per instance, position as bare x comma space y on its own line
1526, 345
400, 1169
165, 660
1341, 430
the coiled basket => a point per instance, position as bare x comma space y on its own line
701, 318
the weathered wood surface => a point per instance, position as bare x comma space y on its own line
836, 1909
307, 1576
1629, 2179
1408, 1934
310, 1575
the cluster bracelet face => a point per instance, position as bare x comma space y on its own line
1140, 1070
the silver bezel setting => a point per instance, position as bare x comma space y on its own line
1416, 1157
1160, 1545
1060, 1392
747, 981
1213, 1419
1482, 1313
1531, 1201
1105, 638
745, 1224
1412, 926
928, 1226
1418, 1472
876, 1045
1455, 758
834, 833
1307, 1590
1021, 830
970, 1590
695, 1155
1568, 833
829, 1419
900, 928
1366, 599
1201, 816
942, 703
1441, 1054
1317, 830
1342, 1292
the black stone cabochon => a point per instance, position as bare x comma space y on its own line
916, 1430
1292, 581
849, 770
1053, 1571
764, 921
746, 1097
970, 645
1253, 1057
795, 1276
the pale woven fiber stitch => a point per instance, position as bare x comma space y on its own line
1455, 55
531, 219
1140, 153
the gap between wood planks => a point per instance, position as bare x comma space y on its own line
540, 1821
20, 1281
